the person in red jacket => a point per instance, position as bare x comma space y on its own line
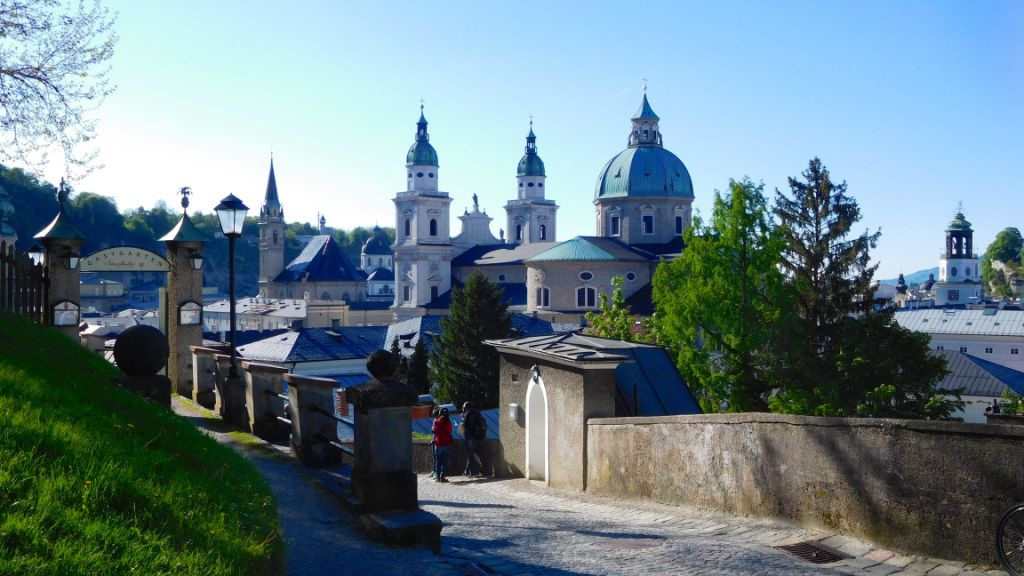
442, 430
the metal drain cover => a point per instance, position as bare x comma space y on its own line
814, 552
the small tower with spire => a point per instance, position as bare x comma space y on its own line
271, 237
423, 243
530, 217
959, 278
8, 234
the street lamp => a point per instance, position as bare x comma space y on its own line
231, 212
36, 254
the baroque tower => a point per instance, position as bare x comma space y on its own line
531, 217
423, 245
959, 278
271, 237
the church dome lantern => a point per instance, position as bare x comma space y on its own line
421, 153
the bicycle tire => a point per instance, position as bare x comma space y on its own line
1010, 540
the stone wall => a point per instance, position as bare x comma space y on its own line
930, 488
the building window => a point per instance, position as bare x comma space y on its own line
501, 277
543, 295
952, 271
630, 276
519, 232
586, 276
586, 297
540, 184
430, 175
963, 349
405, 293
419, 174
408, 226
433, 292
613, 226
679, 225
940, 348
648, 222
953, 295
988, 350
530, 185
433, 227
543, 232
1014, 351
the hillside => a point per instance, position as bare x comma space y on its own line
914, 277
94, 480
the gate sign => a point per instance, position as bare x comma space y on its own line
124, 259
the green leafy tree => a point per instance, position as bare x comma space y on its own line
829, 276
419, 368
53, 72
462, 367
1001, 262
887, 371
614, 320
719, 302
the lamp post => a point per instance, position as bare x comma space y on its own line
231, 212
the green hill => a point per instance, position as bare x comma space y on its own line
94, 480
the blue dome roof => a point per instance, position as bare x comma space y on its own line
377, 244
531, 164
644, 171
421, 153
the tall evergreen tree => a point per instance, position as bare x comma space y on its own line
718, 304
418, 375
830, 278
462, 367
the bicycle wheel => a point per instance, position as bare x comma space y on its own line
1010, 540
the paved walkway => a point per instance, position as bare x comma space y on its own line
518, 528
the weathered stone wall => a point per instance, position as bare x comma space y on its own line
930, 488
489, 451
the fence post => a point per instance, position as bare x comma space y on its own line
311, 407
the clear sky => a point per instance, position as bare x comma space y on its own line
916, 105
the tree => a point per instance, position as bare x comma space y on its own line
53, 73
1002, 261
462, 367
419, 369
829, 279
613, 320
718, 303
887, 371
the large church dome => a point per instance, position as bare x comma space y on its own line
421, 153
645, 168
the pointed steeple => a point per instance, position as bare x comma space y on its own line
271, 205
421, 153
531, 164
645, 131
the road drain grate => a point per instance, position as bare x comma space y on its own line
814, 552
471, 569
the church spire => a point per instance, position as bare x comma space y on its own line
645, 131
271, 204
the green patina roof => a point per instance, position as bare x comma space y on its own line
185, 231
578, 249
60, 227
645, 111
421, 153
531, 164
959, 223
644, 171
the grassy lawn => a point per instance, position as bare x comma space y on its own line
94, 480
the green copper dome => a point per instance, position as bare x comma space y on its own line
421, 153
645, 168
531, 164
959, 223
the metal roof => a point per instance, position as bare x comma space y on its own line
500, 254
185, 231
316, 345
322, 260
979, 377
987, 322
644, 171
593, 249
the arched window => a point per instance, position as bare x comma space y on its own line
433, 227
586, 297
543, 232
543, 297
408, 226
519, 232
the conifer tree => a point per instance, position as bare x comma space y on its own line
418, 372
462, 367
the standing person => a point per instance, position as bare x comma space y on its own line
434, 413
474, 431
442, 430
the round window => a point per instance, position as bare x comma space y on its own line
520, 184
586, 276
952, 271
540, 184
530, 185
501, 277
410, 174
630, 276
419, 174
967, 271
431, 175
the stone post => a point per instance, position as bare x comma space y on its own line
383, 481
204, 377
62, 241
230, 402
311, 408
263, 384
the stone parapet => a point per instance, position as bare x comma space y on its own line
230, 402
204, 376
314, 428
263, 385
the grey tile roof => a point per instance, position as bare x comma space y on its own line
988, 322
316, 344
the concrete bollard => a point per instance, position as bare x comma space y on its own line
311, 406
263, 384
204, 377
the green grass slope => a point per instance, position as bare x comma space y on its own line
94, 480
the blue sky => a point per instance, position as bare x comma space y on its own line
917, 105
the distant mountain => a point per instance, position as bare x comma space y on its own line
913, 278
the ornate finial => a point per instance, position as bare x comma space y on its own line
421, 105
960, 207
185, 191
531, 121
62, 193
645, 85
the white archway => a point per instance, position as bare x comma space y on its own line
536, 429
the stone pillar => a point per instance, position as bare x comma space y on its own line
204, 377
65, 288
230, 403
263, 384
311, 408
184, 313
